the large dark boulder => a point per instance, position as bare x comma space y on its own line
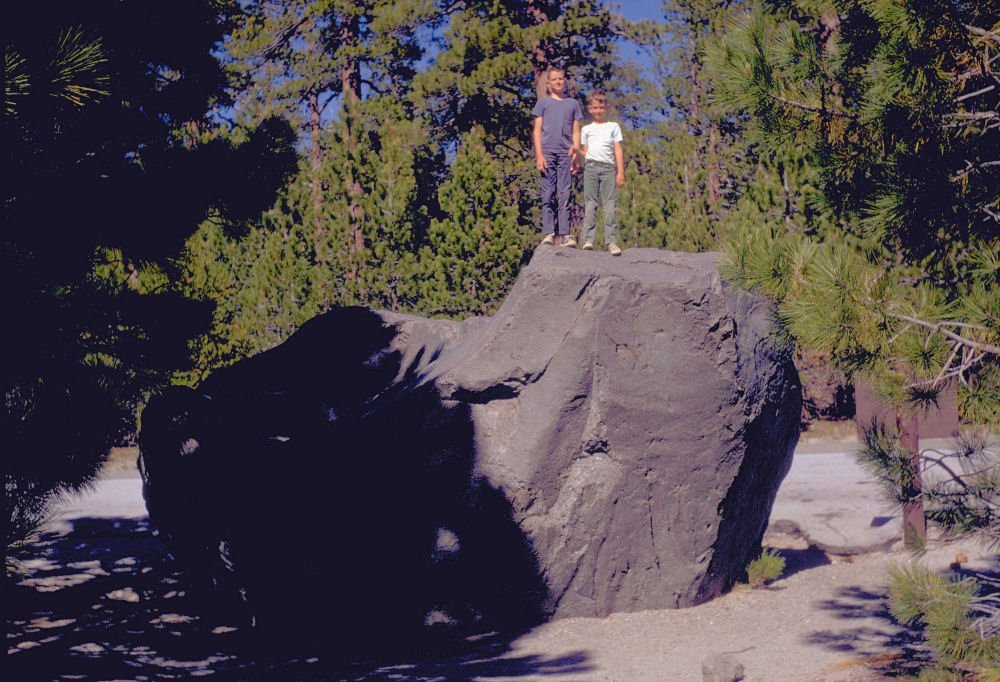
611, 440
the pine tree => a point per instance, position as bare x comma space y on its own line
905, 144
475, 252
313, 61
395, 173
346, 230
897, 102
260, 282
102, 179
697, 174
496, 58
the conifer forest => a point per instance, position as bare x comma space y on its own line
186, 183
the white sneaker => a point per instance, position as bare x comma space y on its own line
569, 240
549, 239
614, 250
588, 246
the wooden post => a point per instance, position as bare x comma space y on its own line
914, 522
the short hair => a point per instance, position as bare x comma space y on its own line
598, 96
556, 68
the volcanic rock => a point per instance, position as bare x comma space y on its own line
611, 440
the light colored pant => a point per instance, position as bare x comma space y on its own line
599, 181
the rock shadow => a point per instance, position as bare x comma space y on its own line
105, 600
323, 491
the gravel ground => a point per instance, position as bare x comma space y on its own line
101, 600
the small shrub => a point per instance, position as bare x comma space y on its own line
765, 568
959, 616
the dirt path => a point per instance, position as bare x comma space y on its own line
101, 599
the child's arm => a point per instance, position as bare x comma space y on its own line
620, 163
536, 137
574, 152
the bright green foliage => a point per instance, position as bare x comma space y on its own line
765, 568
653, 208
345, 230
301, 258
492, 70
897, 106
685, 170
896, 101
960, 620
696, 173
298, 58
260, 283
474, 254
369, 257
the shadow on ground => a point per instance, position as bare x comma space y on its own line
105, 601
797, 560
882, 644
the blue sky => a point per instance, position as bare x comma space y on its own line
634, 11
639, 9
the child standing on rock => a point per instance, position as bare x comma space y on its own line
603, 173
556, 138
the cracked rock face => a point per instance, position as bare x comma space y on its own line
611, 440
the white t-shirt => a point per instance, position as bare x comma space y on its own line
599, 139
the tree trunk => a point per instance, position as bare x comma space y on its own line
315, 160
714, 172
538, 14
694, 110
914, 521
541, 82
788, 196
350, 88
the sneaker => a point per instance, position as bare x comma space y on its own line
569, 240
614, 250
588, 246
549, 239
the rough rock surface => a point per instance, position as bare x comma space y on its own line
611, 440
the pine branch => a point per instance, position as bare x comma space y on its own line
972, 116
959, 479
981, 91
970, 168
972, 73
282, 38
993, 34
809, 107
939, 327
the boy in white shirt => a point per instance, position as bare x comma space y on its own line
603, 174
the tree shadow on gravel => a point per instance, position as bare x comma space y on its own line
798, 560
881, 644
320, 515
106, 601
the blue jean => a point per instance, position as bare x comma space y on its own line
556, 183
599, 181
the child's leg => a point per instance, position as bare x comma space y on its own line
548, 194
609, 200
590, 184
564, 180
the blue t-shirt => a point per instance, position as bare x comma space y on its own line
557, 122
